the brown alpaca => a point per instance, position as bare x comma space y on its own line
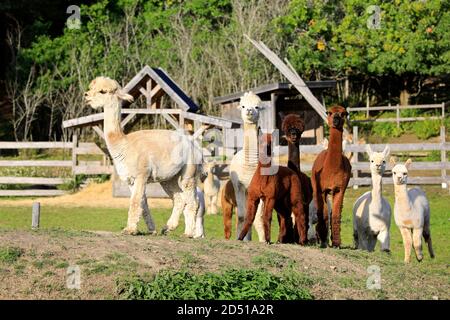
228, 202
280, 190
293, 127
330, 175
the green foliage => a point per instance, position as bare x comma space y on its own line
426, 129
10, 254
232, 284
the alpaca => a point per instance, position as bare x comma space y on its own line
411, 212
228, 202
244, 163
199, 222
168, 157
280, 190
211, 188
330, 176
293, 126
372, 212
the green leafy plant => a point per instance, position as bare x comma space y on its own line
232, 284
10, 254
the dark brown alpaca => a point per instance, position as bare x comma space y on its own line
330, 175
228, 202
293, 127
278, 189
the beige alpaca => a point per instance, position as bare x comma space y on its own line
411, 212
164, 156
211, 188
372, 212
244, 163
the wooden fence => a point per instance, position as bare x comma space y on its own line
396, 148
77, 167
397, 108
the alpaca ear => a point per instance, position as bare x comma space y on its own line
124, 96
386, 151
392, 161
369, 150
408, 163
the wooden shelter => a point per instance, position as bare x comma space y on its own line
281, 99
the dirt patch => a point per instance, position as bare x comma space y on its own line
94, 195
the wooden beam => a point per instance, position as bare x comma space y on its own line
290, 73
99, 132
93, 169
27, 180
219, 122
31, 192
35, 163
171, 120
35, 145
127, 119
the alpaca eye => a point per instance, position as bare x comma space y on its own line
384, 161
102, 91
371, 161
256, 107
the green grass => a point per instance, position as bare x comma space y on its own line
10, 254
231, 284
76, 221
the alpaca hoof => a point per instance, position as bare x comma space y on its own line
420, 258
187, 235
165, 230
152, 232
130, 231
323, 245
386, 250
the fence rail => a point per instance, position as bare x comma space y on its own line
76, 166
397, 108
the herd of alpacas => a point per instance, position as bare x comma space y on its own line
257, 186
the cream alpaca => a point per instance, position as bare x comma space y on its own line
372, 212
244, 163
211, 187
411, 212
144, 156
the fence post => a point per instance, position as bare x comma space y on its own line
443, 111
443, 159
74, 152
355, 156
398, 116
35, 215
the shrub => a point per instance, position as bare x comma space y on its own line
232, 284
426, 129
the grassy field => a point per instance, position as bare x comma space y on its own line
71, 223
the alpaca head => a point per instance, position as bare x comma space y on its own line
250, 105
293, 127
336, 117
209, 166
377, 159
103, 91
400, 171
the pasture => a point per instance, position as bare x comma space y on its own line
33, 263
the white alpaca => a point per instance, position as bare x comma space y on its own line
411, 212
244, 163
199, 229
165, 156
211, 187
372, 212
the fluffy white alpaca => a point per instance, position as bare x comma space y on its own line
199, 230
372, 212
411, 212
211, 187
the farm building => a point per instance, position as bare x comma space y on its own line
281, 99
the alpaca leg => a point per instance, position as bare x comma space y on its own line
286, 223
213, 204
173, 190
258, 223
322, 218
427, 237
371, 242
189, 196
241, 200
384, 239
135, 211
407, 242
250, 217
336, 219
199, 230
417, 242
148, 216
227, 215
268, 208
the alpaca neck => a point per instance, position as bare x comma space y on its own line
334, 154
376, 188
294, 156
402, 200
250, 145
111, 123
210, 178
